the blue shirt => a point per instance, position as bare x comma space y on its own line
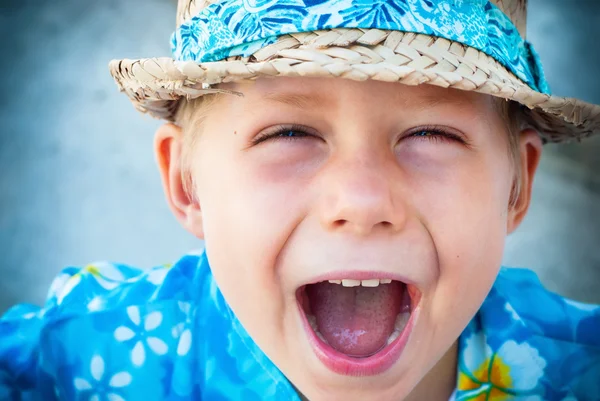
114, 332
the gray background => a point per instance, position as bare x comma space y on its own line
77, 175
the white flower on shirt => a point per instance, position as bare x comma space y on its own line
157, 275
102, 387
108, 276
140, 335
182, 330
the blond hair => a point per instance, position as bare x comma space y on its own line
516, 118
190, 117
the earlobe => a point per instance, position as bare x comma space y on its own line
530, 151
168, 150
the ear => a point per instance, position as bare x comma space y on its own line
167, 148
530, 150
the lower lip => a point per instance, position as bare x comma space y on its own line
368, 366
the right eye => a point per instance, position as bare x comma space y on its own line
284, 132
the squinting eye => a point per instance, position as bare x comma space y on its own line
288, 133
423, 133
291, 134
434, 135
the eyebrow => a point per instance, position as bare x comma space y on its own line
298, 100
428, 101
423, 103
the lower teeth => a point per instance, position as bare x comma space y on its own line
312, 320
401, 321
321, 337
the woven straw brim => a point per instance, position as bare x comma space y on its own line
155, 85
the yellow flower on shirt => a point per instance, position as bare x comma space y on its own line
513, 370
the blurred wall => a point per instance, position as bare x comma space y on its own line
77, 176
560, 237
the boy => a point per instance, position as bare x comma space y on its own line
353, 168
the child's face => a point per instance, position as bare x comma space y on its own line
359, 185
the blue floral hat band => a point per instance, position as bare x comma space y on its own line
472, 45
241, 27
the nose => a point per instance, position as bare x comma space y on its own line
362, 197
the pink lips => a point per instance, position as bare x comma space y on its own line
367, 366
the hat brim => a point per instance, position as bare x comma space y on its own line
155, 85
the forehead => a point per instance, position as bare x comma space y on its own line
328, 93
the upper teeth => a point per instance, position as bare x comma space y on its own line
373, 282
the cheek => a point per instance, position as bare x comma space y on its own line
258, 197
249, 210
464, 207
462, 195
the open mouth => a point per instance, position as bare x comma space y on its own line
358, 327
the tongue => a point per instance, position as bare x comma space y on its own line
356, 321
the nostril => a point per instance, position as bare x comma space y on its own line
339, 223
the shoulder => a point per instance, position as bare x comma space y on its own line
104, 286
531, 342
544, 312
101, 322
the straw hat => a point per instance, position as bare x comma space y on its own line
474, 45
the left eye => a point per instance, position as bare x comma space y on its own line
434, 135
424, 133
290, 133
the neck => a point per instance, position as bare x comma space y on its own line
439, 382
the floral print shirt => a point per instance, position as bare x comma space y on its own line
110, 332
